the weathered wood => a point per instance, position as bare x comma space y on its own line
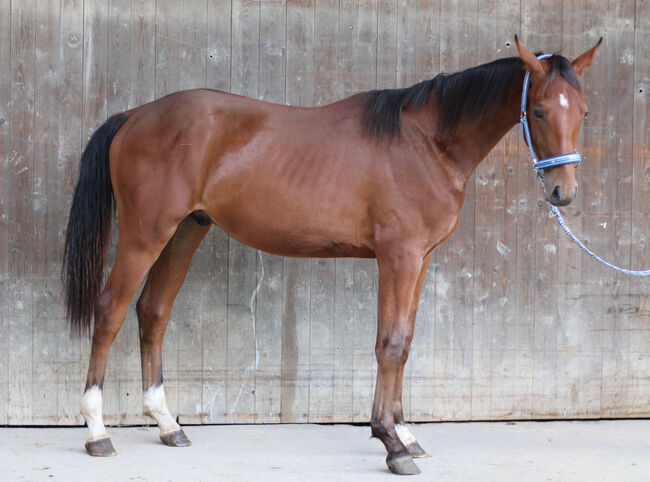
47, 299
243, 262
514, 322
423, 384
267, 297
6, 303
189, 313
215, 286
19, 209
296, 329
72, 365
639, 307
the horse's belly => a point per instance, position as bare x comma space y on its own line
291, 231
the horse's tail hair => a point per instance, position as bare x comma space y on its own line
89, 228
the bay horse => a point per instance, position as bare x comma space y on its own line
381, 174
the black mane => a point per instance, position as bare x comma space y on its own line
460, 96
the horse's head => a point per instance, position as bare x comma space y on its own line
556, 108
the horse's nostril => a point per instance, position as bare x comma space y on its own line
555, 195
575, 192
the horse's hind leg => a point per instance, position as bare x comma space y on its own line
133, 259
400, 426
154, 306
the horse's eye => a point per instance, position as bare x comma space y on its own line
539, 114
586, 114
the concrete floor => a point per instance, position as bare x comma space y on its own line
522, 451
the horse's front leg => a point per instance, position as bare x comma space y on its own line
400, 426
399, 272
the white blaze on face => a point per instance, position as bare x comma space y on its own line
91, 409
404, 435
563, 101
155, 406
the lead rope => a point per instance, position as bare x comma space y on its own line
556, 212
573, 158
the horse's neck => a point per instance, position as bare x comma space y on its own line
472, 143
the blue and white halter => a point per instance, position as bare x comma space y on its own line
571, 158
541, 164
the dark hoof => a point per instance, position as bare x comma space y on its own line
176, 439
100, 448
403, 465
416, 451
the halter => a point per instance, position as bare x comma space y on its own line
541, 164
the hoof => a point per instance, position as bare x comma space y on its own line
416, 451
402, 465
176, 439
100, 448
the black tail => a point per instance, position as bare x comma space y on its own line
89, 228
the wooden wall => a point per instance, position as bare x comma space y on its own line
514, 322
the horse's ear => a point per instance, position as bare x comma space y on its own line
531, 62
581, 63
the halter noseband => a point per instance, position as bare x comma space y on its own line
541, 164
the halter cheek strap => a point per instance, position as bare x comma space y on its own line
540, 164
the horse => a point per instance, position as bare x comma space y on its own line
380, 174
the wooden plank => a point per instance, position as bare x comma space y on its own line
524, 253
269, 299
324, 361
141, 17
193, 71
72, 354
19, 210
168, 49
579, 381
454, 310
143, 52
6, 304
466, 50
546, 268
327, 90
639, 307
322, 342
358, 62
487, 206
127, 344
46, 268
502, 314
168, 32
617, 171
215, 288
444, 369
242, 344
405, 63
344, 285
219, 44
387, 46
296, 329
95, 91
421, 363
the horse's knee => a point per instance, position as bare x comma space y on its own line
392, 349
